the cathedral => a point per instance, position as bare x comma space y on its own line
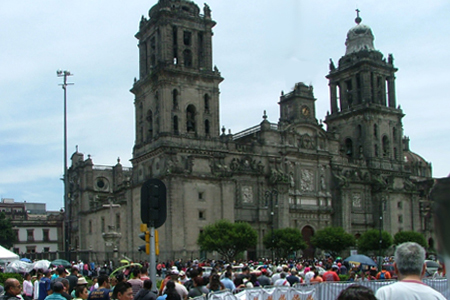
355, 171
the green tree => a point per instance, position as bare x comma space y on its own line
7, 236
410, 236
284, 241
370, 241
333, 240
227, 238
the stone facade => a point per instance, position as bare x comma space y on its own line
295, 173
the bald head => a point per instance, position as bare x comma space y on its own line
13, 287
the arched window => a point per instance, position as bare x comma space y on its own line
150, 123
175, 98
349, 147
207, 126
190, 118
206, 100
376, 150
375, 130
175, 125
385, 144
187, 58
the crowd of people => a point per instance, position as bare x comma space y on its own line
184, 280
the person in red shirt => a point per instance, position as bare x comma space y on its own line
331, 274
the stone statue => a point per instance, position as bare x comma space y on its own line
332, 67
207, 11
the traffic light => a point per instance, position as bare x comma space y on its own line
153, 203
145, 235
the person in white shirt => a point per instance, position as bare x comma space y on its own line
410, 266
27, 287
36, 286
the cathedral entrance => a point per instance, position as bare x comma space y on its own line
307, 233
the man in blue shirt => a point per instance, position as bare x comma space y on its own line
45, 285
103, 292
227, 282
57, 288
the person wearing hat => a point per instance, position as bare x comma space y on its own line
183, 277
57, 289
181, 289
309, 274
263, 279
81, 283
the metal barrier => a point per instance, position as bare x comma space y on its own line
321, 291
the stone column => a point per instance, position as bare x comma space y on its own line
383, 93
366, 86
333, 98
342, 95
391, 91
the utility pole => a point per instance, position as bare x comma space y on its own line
67, 209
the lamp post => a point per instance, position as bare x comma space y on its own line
382, 209
270, 197
67, 216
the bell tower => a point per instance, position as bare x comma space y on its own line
177, 93
362, 100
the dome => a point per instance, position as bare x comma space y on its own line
359, 38
416, 164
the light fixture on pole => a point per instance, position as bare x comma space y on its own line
67, 215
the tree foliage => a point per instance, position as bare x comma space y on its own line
370, 241
333, 240
7, 236
284, 241
227, 238
410, 236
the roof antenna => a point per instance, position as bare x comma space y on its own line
358, 19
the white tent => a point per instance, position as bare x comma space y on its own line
7, 256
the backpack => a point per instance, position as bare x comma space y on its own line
382, 275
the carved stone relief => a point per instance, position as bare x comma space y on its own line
307, 180
247, 194
356, 200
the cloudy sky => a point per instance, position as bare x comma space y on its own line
261, 48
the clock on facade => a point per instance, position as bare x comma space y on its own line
305, 111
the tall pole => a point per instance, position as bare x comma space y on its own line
272, 196
152, 257
67, 210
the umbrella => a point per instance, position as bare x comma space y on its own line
123, 267
42, 264
25, 259
361, 259
61, 262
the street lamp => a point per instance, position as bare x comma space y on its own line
272, 197
67, 215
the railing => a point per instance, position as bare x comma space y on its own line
252, 130
102, 167
321, 291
